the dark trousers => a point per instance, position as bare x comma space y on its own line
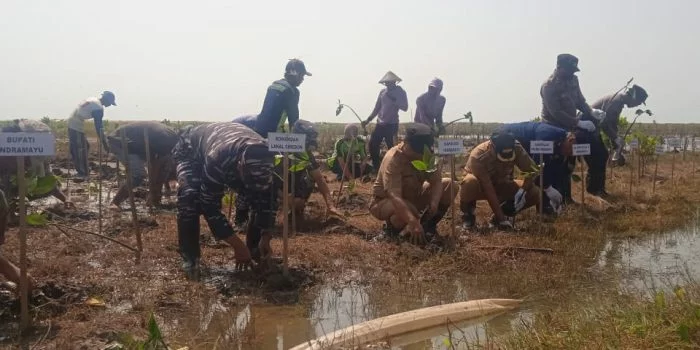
596, 161
385, 132
79, 147
355, 171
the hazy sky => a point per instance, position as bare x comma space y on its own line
213, 60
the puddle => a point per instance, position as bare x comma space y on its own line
657, 261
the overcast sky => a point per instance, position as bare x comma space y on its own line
213, 60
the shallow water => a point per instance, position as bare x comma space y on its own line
635, 265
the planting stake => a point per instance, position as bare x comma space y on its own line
285, 210
453, 224
99, 188
656, 170
673, 167
583, 187
134, 217
631, 175
294, 202
345, 169
230, 204
23, 281
541, 190
148, 164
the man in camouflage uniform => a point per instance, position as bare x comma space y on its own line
613, 105
561, 98
209, 159
7, 268
490, 177
402, 192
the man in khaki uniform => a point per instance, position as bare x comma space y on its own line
401, 191
490, 177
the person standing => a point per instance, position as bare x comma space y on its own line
390, 100
429, 107
282, 100
92, 108
561, 98
162, 140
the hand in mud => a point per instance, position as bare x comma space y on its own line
332, 210
415, 232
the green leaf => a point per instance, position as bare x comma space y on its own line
44, 185
639, 112
419, 165
339, 109
303, 156
660, 300
154, 334
576, 178
299, 166
228, 199
447, 342
684, 332
37, 219
278, 159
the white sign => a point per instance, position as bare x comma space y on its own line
450, 146
634, 144
286, 143
674, 142
582, 149
27, 144
542, 147
659, 149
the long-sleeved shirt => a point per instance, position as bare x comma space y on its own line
342, 147
526, 132
560, 100
429, 109
397, 176
388, 104
161, 138
281, 104
613, 108
484, 164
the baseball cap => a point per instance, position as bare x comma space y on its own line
568, 60
504, 145
639, 94
436, 83
296, 66
109, 98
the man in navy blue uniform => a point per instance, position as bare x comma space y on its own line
555, 169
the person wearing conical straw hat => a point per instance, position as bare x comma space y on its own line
390, 100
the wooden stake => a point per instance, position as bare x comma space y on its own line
134, 216
23, 281
293, 198
147, 144
230, 204
673, 167
541, 190
99, 188
285, 210
583, 187
453, 224
631, 177
342, 176
656, 171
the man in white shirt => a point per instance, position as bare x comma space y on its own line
91, 108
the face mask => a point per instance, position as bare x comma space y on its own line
506, 155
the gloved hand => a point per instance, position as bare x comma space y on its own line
519, 200
555, 198
598, 114
619, 142
586, 125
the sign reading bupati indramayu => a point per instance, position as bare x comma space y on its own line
27, 144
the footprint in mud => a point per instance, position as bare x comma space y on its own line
272, 285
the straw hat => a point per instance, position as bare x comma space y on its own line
390, 77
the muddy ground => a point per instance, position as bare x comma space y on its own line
93, 293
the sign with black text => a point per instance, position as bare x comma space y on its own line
542, 147
286, 143
582, 149
15, 144
450, 146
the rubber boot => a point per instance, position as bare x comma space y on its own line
241, 217
468, 216
430, 225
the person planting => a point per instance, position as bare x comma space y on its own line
162, 140
409, 195
489, 177
353, 145
211, 158
429, 107
92, 108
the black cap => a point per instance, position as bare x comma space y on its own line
419, 137
417, 129
296, 66
568, 60
639, 94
